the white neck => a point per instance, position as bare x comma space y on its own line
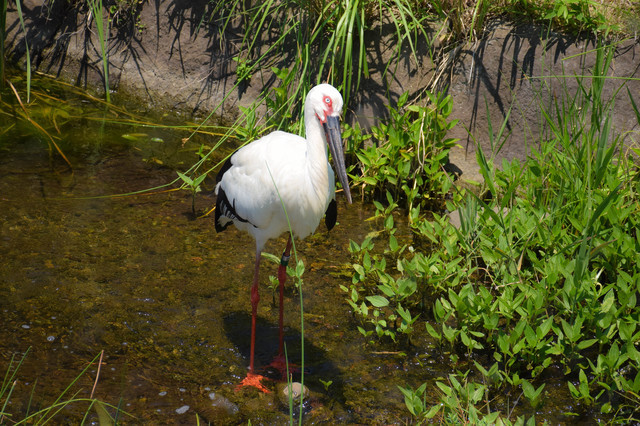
317, 160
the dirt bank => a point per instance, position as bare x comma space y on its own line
172, 59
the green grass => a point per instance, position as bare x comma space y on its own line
541, 276
69, 399
102, 27
3, 31
331, 40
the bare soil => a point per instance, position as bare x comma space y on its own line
172, 59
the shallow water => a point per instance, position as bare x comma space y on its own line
163, 295
166, 298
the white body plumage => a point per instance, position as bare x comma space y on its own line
282, 168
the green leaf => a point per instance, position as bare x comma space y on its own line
186, 179
608, 302
584, 344
432, 331
449, 332
378, 301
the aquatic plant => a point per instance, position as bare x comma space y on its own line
542, 271
381, 300
407, 153
193, 186
404, 167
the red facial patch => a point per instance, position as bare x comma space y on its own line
328, 102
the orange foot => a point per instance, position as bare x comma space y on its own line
254, 380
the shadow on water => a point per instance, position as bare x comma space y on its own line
165, 297
318, 362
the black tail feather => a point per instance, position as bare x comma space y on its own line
331, 215
227, 210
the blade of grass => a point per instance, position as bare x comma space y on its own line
3, 31
10, 378
582, 260
295, 256
39, 127
9, 382
634, 106
59, 406
103, 35
57, 403
26, 44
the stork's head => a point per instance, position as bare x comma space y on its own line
326, 103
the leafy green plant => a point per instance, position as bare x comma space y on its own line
579, 15
406, 166
193, 185
281, 101
533, 394
542, 272
295, 272
326, 384
560, 240
379, 298
459, 401
243, 69
409, 152
416, 400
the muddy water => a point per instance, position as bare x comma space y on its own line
163, 295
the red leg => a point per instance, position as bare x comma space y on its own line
253, 379
255, 299
282, 277
279, 362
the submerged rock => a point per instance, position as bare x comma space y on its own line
182, 409
220, 402
295, 390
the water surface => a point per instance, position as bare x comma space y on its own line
165, 297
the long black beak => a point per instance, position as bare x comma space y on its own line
334, 140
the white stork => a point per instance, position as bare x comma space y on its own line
282, 169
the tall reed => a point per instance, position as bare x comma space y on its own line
329, 40
3, 29
26, 47
102, 27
